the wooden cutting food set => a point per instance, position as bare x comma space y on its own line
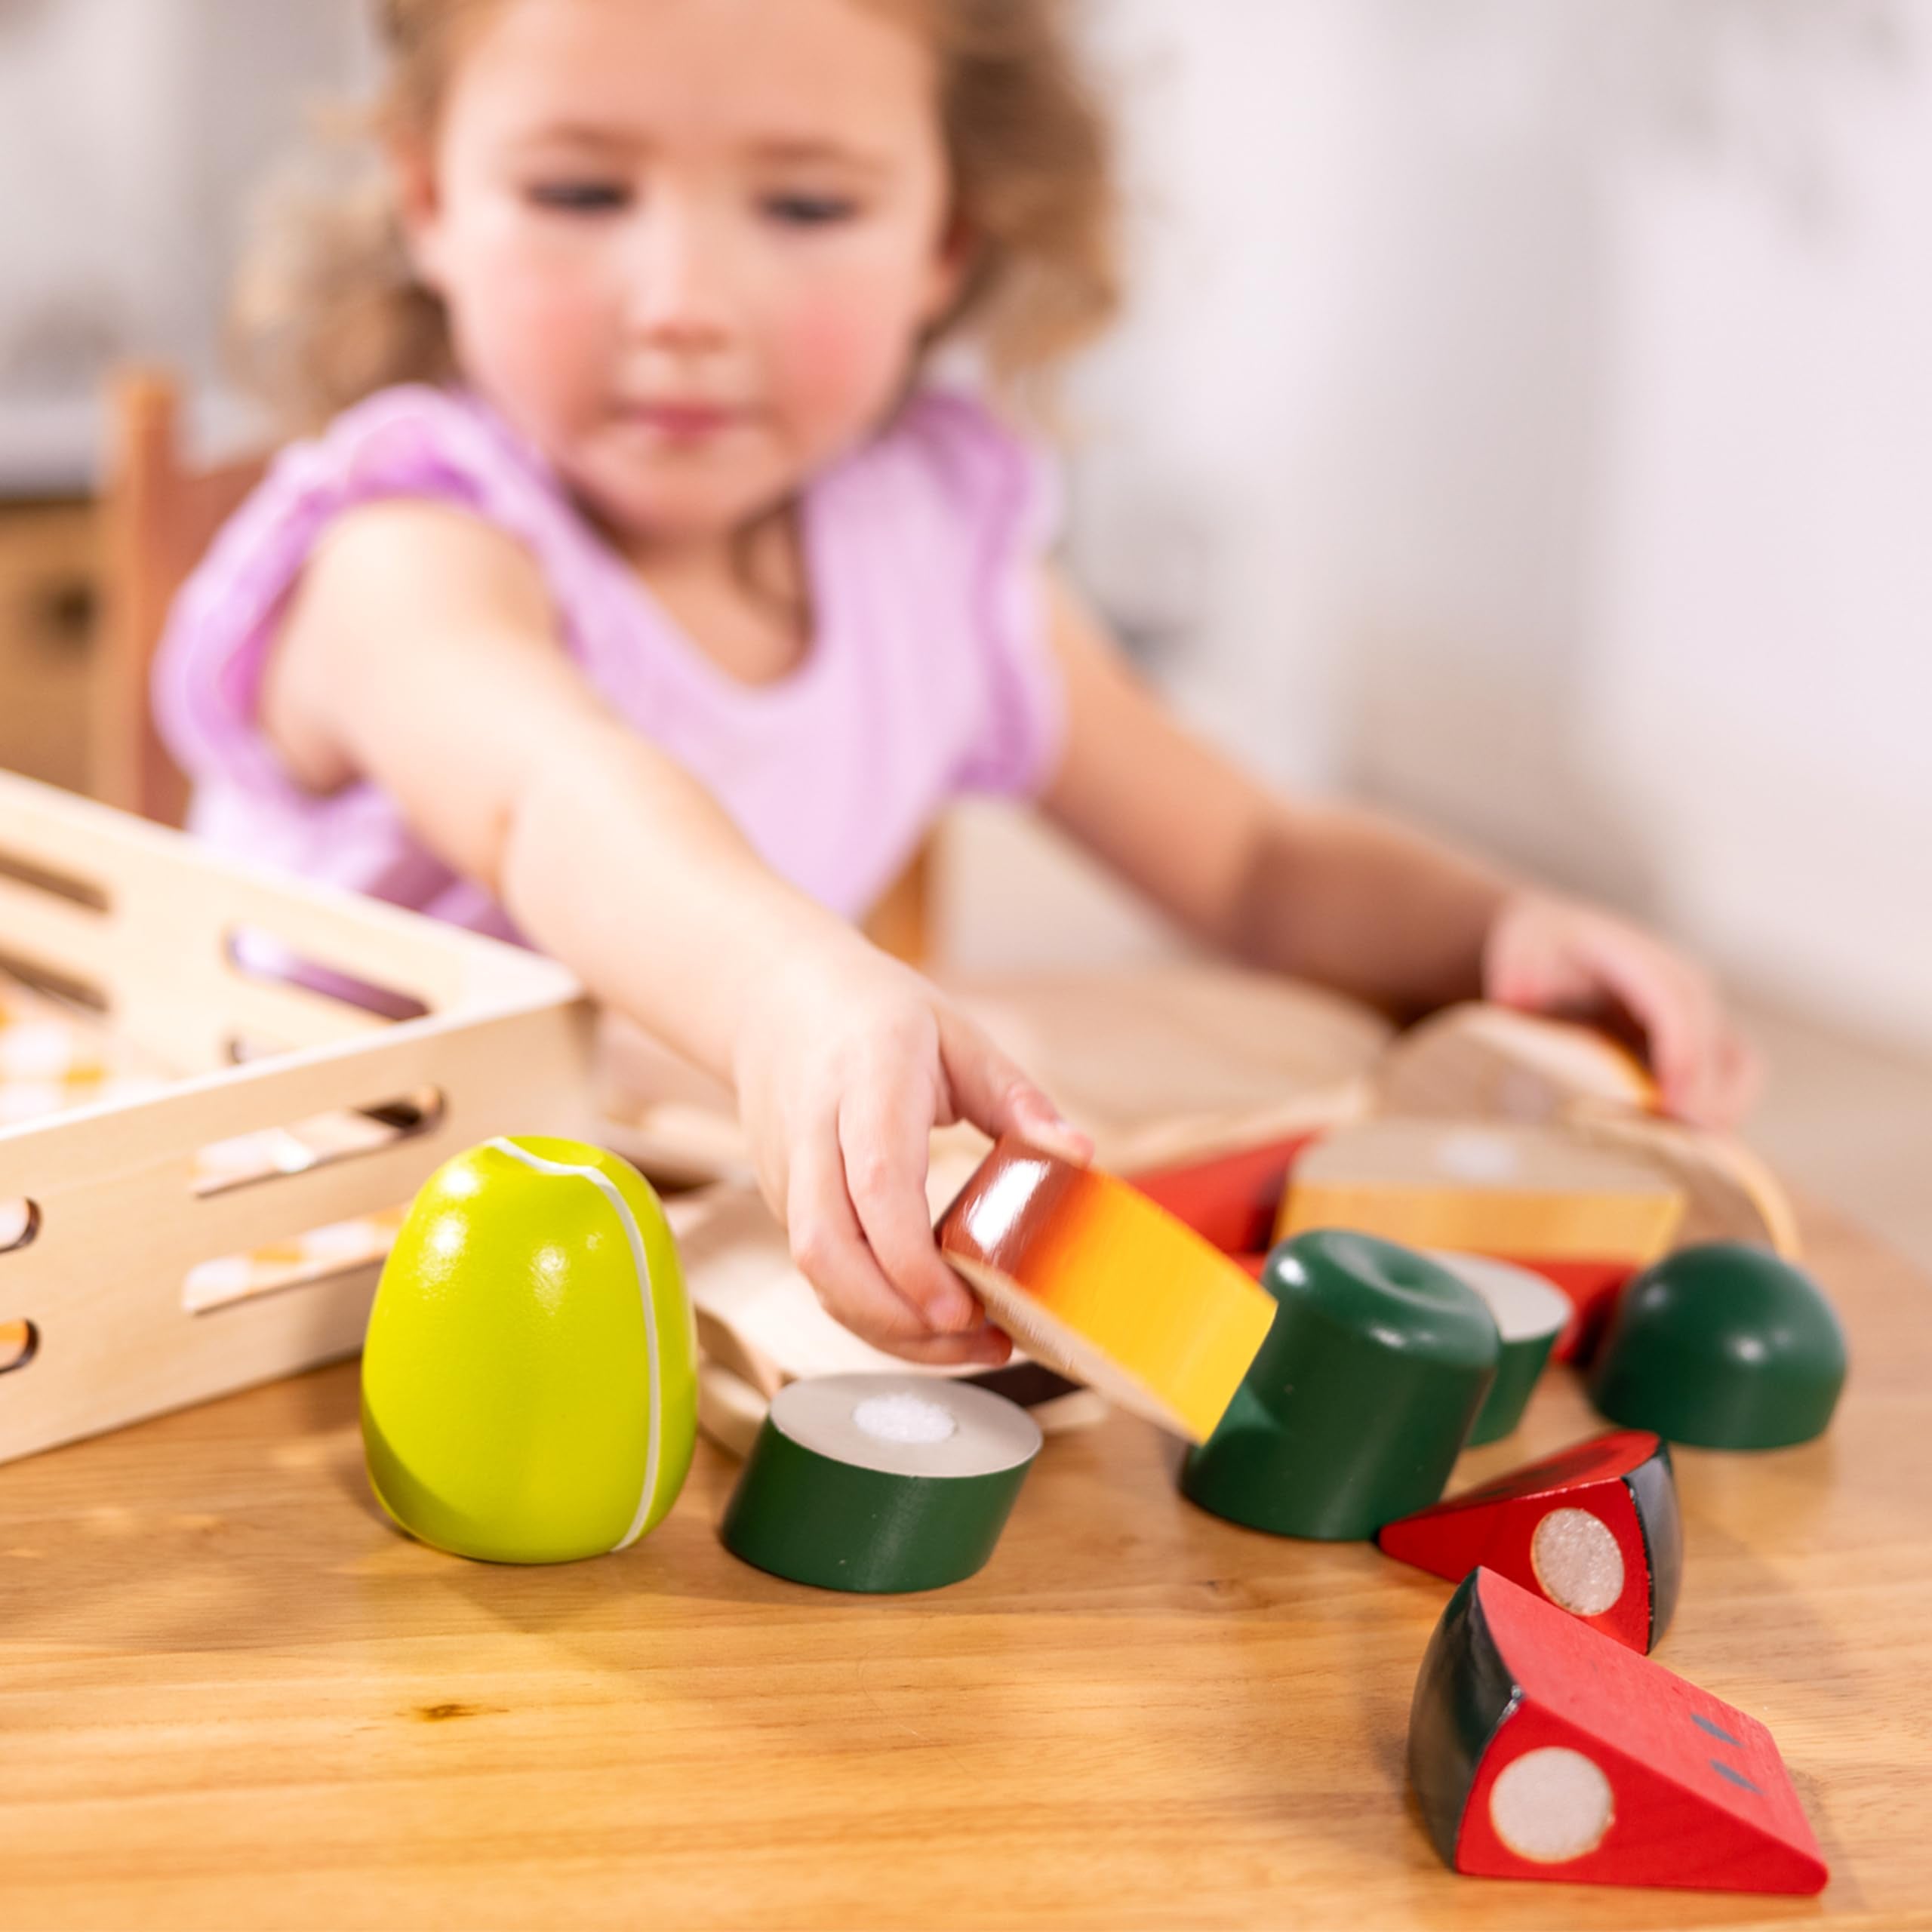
230, 1104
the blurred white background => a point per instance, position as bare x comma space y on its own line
1525, 416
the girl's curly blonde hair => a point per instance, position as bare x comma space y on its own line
328, 309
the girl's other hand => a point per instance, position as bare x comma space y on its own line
1546, 954
850, 1063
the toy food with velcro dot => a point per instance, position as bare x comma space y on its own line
1355, 1408
1094, 1280
1540, 1748
529, 1390
1529, 1312
1586, 1216
878, 1483
1594, 1528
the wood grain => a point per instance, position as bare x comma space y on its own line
145, 917
231, 1695
49, 590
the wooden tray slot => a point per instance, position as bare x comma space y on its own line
239, 1049
55, 983
20, 1222
60, 884
303, 1260
318, 1140
259, 954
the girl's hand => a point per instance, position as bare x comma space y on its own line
1556, 955
850, 1063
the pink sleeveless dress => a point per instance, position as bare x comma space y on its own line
928, 674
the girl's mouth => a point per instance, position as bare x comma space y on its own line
684, 422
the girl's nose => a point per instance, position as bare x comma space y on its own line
680, 278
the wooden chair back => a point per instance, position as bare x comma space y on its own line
160, 515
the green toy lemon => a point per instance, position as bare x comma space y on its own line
529, 1378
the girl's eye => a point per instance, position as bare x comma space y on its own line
580, 197
810, 210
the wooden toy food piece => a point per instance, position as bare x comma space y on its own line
1594, 1528
879, 1483
529, 1377
1230, 1199
1586, 1216
1481, 1061
1530, 1313
1477, 1061
1093, 1279
1539, 1748
760, 1325
1354, 1411
1724, 1346
1729, 1194
1220, 1055
1056, 1402
730, 1410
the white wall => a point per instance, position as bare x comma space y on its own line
133, 133
1760, 680
1527, 422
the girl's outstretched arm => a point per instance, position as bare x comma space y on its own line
419, 651
1352, 899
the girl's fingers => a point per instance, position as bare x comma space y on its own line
1681, 1018
884, 1132
990, 1090
1739, 1077
830, 1252
1546, 954
985, 1347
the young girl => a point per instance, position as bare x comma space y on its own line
642, 601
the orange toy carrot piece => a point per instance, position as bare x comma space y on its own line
1094, 1279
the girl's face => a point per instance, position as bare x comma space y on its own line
688, 247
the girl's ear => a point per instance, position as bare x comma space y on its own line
952, 264
418, 208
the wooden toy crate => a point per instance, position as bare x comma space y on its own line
253, 1076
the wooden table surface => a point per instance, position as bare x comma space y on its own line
230, 1694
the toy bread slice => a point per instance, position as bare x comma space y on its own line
1483, 1186
730, 1410
1587, 1217
1218, 1052
1477, 1061
1094, 1279
1729, 1194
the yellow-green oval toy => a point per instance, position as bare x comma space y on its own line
529, 1380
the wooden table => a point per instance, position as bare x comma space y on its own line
230, 1694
